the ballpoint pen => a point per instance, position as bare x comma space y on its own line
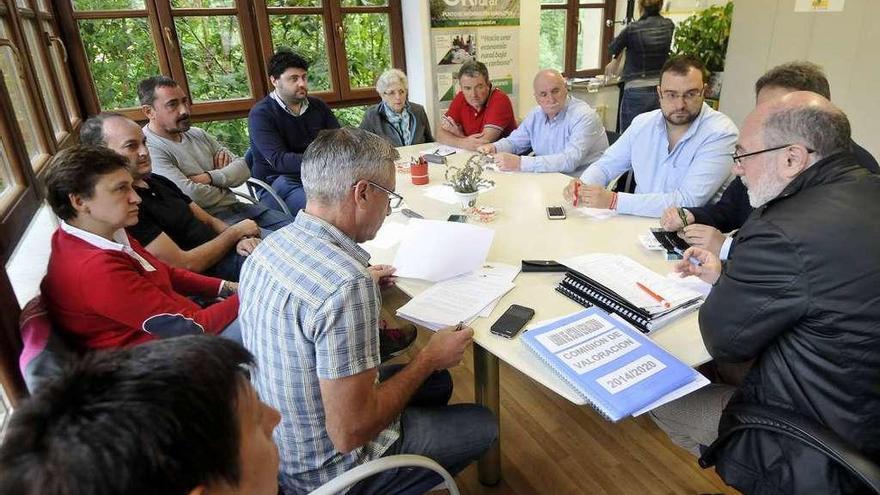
459, 326
694, 261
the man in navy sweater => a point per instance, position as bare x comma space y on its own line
283, 124
705, 225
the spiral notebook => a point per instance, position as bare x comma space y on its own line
622, 286
617, 369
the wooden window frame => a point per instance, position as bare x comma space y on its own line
255, 30
572, 19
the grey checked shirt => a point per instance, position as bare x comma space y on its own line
309, 311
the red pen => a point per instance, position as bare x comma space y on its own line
577, 186
654, 295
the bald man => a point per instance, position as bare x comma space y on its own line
801, 297
564, 132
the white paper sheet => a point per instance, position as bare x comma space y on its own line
459, 299
445, 194
435, 250
596, 213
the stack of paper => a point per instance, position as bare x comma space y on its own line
461, 299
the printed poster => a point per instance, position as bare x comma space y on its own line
458, 13
818, 5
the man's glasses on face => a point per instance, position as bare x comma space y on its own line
738, 157
394, 199
689, 97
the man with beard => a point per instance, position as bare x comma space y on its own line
283, 124
704, 226
194, 160
800, 297
171, 226
679, 154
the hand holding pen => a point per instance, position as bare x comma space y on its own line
701, 263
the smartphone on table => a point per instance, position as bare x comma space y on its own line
512, 321
457, 218
555, 213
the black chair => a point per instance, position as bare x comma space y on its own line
797, 427
259, 189
626, 183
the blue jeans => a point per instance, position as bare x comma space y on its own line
453, 435
267, 218
291, 192
636, 101
229, 266
232, 332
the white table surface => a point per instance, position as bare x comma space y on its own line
523, 231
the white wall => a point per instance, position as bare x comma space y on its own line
766, 33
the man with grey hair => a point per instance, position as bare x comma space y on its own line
564, 132
479, 113
805, 285
310, 316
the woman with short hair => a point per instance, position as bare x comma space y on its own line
397, 119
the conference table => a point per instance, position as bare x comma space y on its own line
523, 231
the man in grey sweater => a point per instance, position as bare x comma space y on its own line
195, 161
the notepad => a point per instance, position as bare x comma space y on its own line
613, 366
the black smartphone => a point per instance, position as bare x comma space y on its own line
457, 218
511, 322
556, 213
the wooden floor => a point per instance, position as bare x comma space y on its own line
551, 446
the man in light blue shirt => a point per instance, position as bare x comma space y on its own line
564, 132
680, 154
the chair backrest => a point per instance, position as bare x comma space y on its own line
260, 189
794, 426
44, 354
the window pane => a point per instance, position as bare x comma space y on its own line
43, 5
293, 3
23, 4
108, 5
350, 116
368, 47
364, 3
44, 78
553, 2
552, 52
63, 75
7, 180
213, 57
24, 112
230, 133
201, 4
305, 34
589, 42
120, 53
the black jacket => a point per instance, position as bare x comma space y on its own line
802, 297
647, 43
376, 122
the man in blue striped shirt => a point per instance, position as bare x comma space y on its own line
564, 132
309, 314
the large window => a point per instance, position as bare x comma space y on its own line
575, 35
217, 49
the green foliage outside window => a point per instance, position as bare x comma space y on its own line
213, 57
120, 54
552, 40
367, 46
350, 116
305, 35
230, 133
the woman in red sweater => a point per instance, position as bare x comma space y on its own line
103, 289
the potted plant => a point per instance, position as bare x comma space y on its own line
705, 35
467, 179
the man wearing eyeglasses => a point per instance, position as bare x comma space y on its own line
801, 297
704, 226
310, 317
680, 154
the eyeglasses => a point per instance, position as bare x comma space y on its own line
394, 199
689, 97
394, 92
739, 158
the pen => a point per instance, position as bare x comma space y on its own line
654, 295
577, 186
691, 259
459, 326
